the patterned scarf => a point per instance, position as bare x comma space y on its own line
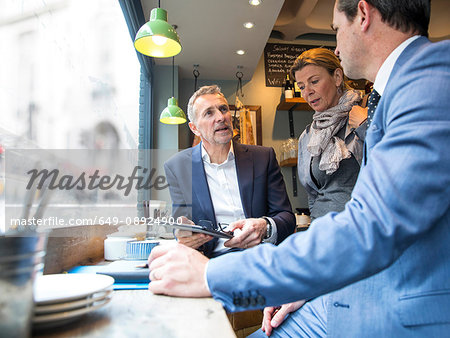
325, 125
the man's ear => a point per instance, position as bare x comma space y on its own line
194, 129
364, 15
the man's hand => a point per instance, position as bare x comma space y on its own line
188, 238
274, 316
176, 270
356, 116
252, 233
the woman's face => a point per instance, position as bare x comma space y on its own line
318, 87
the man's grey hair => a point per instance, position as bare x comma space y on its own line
213, 89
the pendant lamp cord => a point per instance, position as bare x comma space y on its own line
159, 3
239, 76
196, 75
173, 76
235, 120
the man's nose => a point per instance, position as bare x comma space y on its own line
219, 116
336, 52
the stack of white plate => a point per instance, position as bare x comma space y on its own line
62, 298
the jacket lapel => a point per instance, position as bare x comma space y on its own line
200, 188
244, 169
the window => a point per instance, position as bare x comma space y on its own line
69, 80
70, 76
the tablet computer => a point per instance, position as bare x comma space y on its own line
199, 229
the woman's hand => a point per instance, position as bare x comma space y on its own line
356, 116
274, 316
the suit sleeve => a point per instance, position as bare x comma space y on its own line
179, 204
279, 206
401, 195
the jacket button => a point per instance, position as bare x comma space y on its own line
245, 302
260, 300
336, 304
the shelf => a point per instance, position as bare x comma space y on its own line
296, 103
290, 162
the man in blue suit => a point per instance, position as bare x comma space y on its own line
226, 182
386, 256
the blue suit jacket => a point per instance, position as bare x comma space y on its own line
261, 186
388, 252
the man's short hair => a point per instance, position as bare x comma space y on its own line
404, 15
213, 89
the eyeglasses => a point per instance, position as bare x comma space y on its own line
208, 225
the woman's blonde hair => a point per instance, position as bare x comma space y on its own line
321, 57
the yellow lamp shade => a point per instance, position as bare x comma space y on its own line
172, 114
157, 38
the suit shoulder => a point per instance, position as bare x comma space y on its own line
423, 54
256, 148
181, 156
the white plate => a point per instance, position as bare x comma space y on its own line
76, 304
50, 289
61, 318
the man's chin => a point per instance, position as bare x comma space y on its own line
223, 139
350, 71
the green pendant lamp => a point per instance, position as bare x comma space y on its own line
172, 114
157, 38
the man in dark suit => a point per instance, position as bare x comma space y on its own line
226, 182
386, 256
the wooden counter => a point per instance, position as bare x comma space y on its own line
139, 313
130, 313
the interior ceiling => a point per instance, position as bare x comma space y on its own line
211, 31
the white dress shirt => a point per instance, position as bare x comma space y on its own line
225, 196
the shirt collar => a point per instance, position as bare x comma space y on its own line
207, 159
386, 68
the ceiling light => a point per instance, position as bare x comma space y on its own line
255, 2
240, 52
157, 38
172, 114
249, 25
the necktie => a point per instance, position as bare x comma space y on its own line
372, 104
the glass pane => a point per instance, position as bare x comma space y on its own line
70, 75
69, 79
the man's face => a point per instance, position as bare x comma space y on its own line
213, 119
348, 44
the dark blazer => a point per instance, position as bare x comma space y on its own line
261, 186
387, 254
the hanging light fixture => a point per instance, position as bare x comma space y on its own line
157, 38
196, 75
172, 114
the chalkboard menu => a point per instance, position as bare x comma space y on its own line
278, 59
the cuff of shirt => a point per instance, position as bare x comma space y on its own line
272, 239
